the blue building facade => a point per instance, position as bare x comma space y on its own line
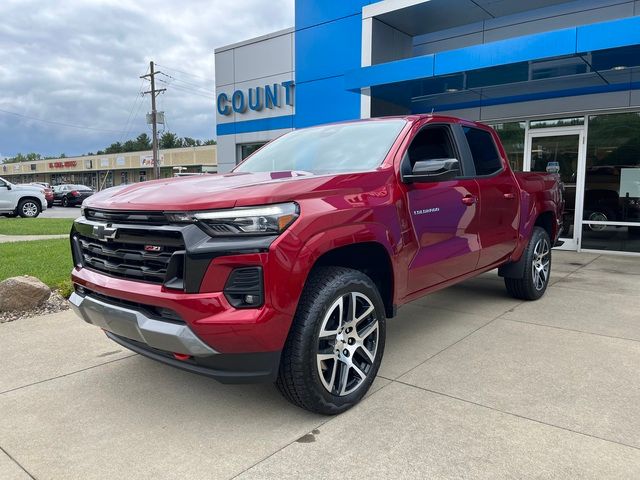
560, 82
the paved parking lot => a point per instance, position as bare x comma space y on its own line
473, 385
61, 212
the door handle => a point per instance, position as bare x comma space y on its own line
509, 196
469, 200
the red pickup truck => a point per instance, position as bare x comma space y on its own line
287, 268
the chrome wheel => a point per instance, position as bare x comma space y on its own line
597, 217
347, 343
30, 209
541, 263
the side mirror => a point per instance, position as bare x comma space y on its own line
436, 170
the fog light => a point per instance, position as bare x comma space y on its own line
250, 299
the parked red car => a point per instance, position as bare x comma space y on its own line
288, 268
48, 192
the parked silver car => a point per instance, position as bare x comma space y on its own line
24, 200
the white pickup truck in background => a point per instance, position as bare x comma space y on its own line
24, 200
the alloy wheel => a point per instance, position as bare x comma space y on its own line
347, 343
30, 209
541, 263
597, 217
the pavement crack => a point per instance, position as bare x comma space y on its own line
315, 429
17, 463
523, 417
66, 374
572, 330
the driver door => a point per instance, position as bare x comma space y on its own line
6, 197
444, 214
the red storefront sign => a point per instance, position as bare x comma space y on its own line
67, 164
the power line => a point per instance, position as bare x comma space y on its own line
188, 90
187, 83
130, 118
185, 73
61, 124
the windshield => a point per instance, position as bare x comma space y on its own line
347, 147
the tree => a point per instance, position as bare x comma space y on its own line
170, 140
143, 142
114, 148
189, 142
209, 142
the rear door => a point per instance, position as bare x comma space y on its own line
499, 197
444, 214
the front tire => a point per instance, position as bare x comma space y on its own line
28, 208
335, 346
537, 268
65, 202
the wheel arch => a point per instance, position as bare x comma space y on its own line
28, 197
370, 258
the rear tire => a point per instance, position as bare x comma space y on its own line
65, 202
334, 350
537, 268
28, 208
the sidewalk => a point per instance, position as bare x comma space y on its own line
27, 238
473, 384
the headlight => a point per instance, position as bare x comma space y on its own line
266, 220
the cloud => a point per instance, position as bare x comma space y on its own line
77, 62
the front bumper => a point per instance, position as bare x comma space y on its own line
135, 325
160, 340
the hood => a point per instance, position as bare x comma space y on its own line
29, 187
208, 192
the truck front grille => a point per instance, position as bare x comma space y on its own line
145, 218
134, 256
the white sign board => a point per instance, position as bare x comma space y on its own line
630, 182
147, 160
120, 161
104, 162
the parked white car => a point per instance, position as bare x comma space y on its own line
24, 200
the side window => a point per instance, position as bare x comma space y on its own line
2, 184
430, 143
484, 152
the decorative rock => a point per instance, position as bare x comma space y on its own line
22, 293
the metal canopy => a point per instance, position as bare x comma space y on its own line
427, 17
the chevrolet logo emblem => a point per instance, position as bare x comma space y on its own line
104, 233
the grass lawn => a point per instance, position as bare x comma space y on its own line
48, 260
35, 226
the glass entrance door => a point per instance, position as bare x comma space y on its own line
561, 150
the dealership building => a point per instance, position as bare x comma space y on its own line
104, 171
558, 80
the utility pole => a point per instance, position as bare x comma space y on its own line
154, 93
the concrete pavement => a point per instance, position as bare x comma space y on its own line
61, 212
27, 238
473, 385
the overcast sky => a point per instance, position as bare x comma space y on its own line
78, 61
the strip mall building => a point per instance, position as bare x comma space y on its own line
103, 171
560, 81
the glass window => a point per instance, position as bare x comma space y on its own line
248, 149
612, 183
612, 175
143, 175
346, 147
483, 150
557, 122
512, 136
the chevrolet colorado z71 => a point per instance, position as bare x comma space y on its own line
287, 268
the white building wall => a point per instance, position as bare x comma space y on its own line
254, 63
